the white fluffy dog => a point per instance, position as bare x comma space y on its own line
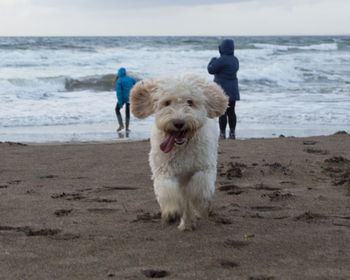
184, 142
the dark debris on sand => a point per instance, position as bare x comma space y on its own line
153, 273
14, 143
341, 132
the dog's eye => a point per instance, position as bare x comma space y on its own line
190, 103
167, 103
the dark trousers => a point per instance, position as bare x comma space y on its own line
231, 116
119, 116
127, 110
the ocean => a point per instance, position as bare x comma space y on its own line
58, 89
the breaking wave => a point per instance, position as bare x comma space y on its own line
59, 84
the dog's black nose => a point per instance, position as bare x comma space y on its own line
179, 123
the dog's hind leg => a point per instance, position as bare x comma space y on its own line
169, 198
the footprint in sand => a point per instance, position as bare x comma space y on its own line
309, 217
63, 212
265, 188
103, 200
116, 188
336, 159
228, 264
28, 231
222, 220
278, 196
236, 244
14, 182
147, 217
233, 170
68, 196
309, 142
267, 208
48, 177
261, 278
315, 151
102, 210
231, 189
277, 167
65, 236
340, 173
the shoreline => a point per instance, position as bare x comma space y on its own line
130, 140
106, 132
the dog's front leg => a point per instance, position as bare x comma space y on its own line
197, 194
200, 189
188, 219
168, 195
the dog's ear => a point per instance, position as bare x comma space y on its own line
141, 103
216, 102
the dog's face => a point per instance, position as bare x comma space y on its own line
181, 105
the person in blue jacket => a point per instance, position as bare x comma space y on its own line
123, 85
225, 70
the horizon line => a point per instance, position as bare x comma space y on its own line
255, 35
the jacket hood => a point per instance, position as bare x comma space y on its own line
121, 72
227, 46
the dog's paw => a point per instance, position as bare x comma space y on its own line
202, 209
204, 214
189, 226
170, 217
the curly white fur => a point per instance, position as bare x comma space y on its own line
184, 172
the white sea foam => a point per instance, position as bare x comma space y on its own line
288, 82
315, 47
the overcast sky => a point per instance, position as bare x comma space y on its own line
174, 17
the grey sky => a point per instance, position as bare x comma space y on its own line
122, 4
177, 17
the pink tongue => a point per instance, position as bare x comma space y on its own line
168, 144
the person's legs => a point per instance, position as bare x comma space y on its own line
232, 119
127, 116
119, 117
222, 125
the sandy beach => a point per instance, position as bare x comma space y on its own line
281, 210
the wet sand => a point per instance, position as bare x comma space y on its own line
281, 210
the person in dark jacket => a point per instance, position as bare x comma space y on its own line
123, 85
225, 70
